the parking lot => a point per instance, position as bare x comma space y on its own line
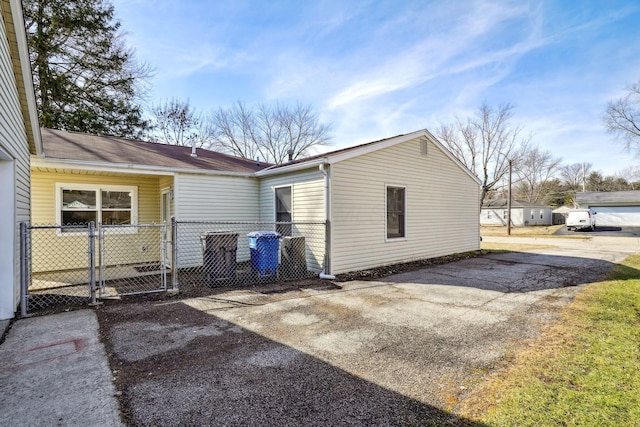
401, 351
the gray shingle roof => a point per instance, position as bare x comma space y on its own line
594, 197
63, 145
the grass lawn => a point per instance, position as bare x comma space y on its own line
582, 371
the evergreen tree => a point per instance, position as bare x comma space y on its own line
85, 78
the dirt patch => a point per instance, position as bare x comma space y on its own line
381, 272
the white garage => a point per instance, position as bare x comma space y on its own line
614, 208
617, 215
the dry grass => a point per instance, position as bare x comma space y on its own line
541, 230
511, 247
582, 371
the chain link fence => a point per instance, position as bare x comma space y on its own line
76, 265
222, 254
55, 266
132, 259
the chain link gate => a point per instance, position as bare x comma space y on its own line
132, 259
65, 266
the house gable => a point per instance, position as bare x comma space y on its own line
441, 206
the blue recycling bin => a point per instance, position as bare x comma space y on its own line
264, 247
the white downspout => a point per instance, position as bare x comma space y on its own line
326, 270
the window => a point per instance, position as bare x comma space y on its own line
283, 210
533, 213
541, 214
78, 204
396, 217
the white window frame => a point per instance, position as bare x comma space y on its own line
98, 188
275, 201
406, 198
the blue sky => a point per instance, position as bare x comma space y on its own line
375, 69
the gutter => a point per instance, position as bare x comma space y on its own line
291, 168
128, 168
326, 271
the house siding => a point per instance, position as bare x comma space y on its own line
216, 198
14, 169
308, 205
307, 195
74, 247
212, 198
441, 207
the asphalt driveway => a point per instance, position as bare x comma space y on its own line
398, 352
601, 231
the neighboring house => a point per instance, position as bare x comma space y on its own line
19, 137
614, 208
386, 202
523, 213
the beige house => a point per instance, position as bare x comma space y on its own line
19, 137
386, 202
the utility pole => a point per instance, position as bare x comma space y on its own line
509, 203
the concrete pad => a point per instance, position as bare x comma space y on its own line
54, 371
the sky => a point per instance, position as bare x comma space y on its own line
376, 69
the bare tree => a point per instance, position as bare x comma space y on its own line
268, 132
622, 117
575, 174
177, 123
486, 143
535, 171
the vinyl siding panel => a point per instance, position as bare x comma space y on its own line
212, 198
15, 191
307, 194
48, 246
442, 206
308, 205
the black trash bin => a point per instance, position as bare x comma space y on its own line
219, 256
294, 257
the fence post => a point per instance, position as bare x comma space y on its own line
92, 261
24, 288
174, 254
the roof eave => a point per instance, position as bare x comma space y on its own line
127, 168
342, 156
24, 77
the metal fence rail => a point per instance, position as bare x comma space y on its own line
72, 265
220, 254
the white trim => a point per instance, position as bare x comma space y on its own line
406, 222
369, 148
37, 162
290, 168
26, 77
8, 242
98, 188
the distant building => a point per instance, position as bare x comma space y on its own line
495, 212
613, 208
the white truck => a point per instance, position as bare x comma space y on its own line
581, 219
